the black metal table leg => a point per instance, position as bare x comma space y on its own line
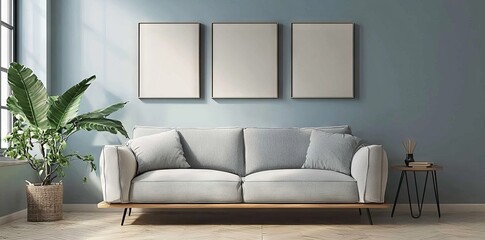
360, 212
370, 217
397, 193
123, 218
424, 190
436, 193
420, 204
409, 197
129, 212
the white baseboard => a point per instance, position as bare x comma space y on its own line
13, 216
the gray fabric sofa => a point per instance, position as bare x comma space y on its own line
243, 165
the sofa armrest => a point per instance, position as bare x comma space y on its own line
117, 168
370, 169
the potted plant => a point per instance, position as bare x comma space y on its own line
40, 132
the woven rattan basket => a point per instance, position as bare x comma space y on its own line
44, 203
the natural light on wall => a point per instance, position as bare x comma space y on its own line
7, 35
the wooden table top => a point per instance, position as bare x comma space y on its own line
404, 168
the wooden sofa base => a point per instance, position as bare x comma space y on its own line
129, 206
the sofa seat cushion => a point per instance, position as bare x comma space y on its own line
299, 186
186, 186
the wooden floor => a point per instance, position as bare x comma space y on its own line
252, 224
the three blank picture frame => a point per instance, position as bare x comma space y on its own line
322, 64
245, 60
168, 60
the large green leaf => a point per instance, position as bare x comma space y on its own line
13, 107
65, 107
101, 124
30, 94
100, 113
51, 99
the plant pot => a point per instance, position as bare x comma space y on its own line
44, 203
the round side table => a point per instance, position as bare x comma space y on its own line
404, 175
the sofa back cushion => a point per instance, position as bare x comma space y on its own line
158, 151
207, 148
279, 148
331, 151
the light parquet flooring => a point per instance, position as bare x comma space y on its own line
252, 225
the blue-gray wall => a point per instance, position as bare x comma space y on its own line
421, 75
12, 187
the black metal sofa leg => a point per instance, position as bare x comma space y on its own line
370, 217
123, 218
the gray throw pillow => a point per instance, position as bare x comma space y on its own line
158, 151
331, 151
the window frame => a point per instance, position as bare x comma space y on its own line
13, 26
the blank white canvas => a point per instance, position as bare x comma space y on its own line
322, 60
244, 60
169, 60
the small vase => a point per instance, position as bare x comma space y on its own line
409, 158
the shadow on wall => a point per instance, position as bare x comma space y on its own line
91, 143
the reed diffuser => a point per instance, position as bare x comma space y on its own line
409, 146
